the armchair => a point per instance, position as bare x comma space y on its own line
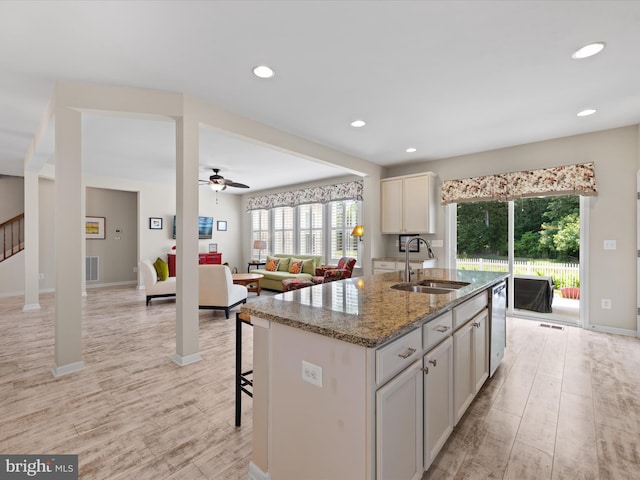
344, 269
217, 290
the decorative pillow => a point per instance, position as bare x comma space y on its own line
309, 266
295, 266
162, 269
272, 265
284, 264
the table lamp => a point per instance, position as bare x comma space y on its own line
259, 245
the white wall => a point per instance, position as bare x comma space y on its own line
612, 214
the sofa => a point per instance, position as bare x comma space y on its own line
273, 280
153, 287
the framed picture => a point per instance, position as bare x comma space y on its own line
213, 248
94, 228
155, 223
222, 225
402, 241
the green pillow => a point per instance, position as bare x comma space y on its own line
162, 269
309, 266
283, 266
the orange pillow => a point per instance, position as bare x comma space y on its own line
295, 267
272, 265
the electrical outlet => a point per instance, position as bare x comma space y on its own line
135, 269
312, 373
41, 276
605, 303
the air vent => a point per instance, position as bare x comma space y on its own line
554, 327
91, 269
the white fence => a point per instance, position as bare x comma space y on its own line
563, 274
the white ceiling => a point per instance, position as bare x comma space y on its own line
446, 77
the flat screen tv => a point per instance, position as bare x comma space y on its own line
205, 227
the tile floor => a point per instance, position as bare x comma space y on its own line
564, 404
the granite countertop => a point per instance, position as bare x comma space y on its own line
365, 310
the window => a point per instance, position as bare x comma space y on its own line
310, 237
344, 216
310, 229
283, 230
260, 229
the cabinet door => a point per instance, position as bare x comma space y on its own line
399, 430
391, 206
481, 348
463, 374
438, 399
416, 205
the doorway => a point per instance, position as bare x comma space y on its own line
538, 241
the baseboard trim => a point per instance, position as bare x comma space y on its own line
67, 369
111, 284
188, 360
256, 474
30, 306
615, 331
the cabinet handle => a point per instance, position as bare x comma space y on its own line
425, 370
442, 329
407, 353
434, 362
476, 324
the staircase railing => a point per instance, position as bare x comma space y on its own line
12, 237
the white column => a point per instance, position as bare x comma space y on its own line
32, 242
68, 236
187, 328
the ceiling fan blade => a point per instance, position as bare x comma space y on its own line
236, 184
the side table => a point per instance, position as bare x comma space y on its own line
255, 264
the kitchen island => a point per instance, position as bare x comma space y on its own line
356, 380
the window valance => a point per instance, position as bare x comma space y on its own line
570, 179
323, 194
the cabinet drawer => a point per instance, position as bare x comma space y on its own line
437, 330
398, 355
468, 309
381, 265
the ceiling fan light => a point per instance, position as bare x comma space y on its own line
217, 187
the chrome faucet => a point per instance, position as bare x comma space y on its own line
407, 270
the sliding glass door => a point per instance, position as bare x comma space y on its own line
537, 240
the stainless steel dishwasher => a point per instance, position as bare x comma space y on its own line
498, 325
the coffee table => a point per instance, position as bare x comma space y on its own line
247, 279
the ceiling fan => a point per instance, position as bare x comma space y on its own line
218, 183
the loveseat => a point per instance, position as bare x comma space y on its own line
273, 280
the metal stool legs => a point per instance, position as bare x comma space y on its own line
243, 381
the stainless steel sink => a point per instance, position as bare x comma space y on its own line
442, 284
430, 286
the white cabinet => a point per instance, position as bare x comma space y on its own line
399, 431
438, 399
471, 360
408, 204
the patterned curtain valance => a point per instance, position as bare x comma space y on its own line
570, 179
323, 194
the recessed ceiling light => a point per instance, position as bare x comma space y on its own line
586, 112
410, 150
263, 71
358, 123
588, 50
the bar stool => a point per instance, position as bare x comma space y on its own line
244, 380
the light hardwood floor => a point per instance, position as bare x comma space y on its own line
564, 404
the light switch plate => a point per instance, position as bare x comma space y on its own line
436, 243
609, 244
